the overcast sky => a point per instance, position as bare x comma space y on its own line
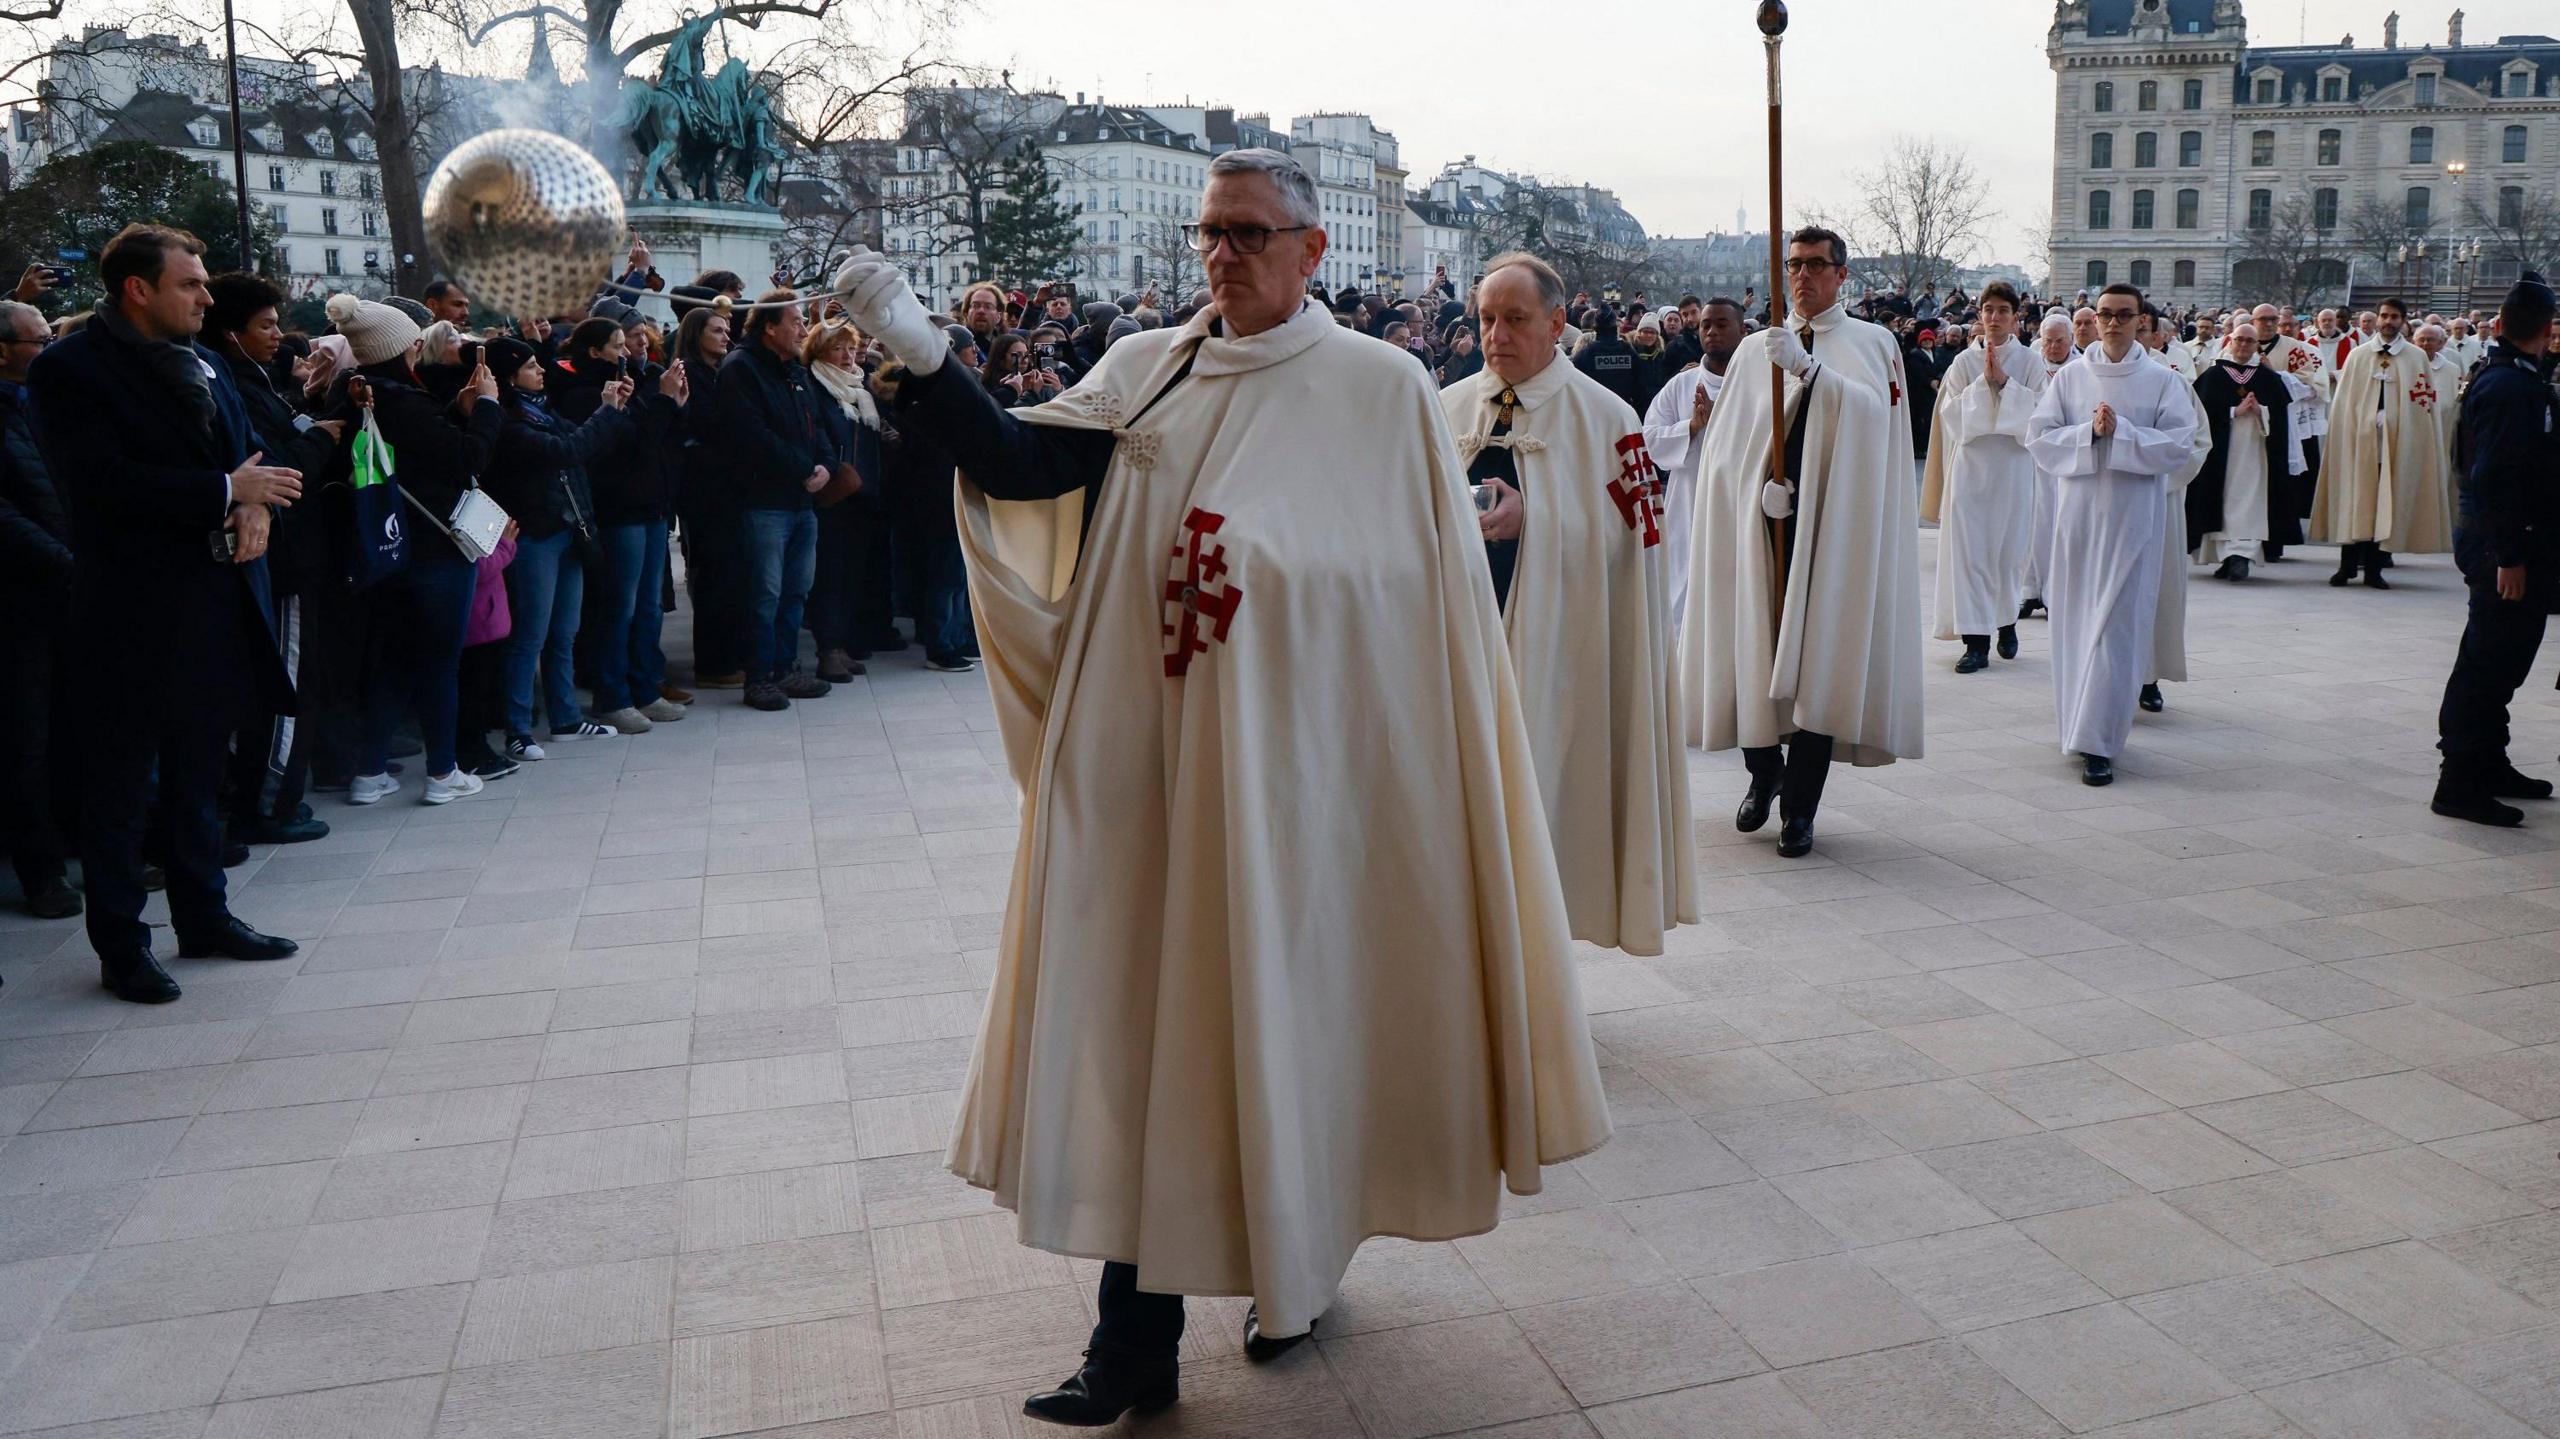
1663, 101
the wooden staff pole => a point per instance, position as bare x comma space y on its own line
1773, 30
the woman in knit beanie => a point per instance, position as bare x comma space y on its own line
420, 611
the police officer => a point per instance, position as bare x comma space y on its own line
1610, 360
2507, 542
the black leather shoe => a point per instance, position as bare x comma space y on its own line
136, 978
2097, 769
1108, 1386
1795, 838
2151, 701
2233, 567
2478, 808
1974, 662
2008, 645
1753, 812
2272, 554
2345, 576
234, 940
234, 854
2373, 580
291, 831
1263, 1350
56, 899
2509, 783
2031, 609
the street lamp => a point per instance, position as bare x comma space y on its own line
1397, 279
1364, 277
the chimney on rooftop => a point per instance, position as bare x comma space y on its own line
2453, 32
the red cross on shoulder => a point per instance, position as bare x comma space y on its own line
1638, 489
1199, 607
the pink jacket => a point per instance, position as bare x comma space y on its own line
489, 620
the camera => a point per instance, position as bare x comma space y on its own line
1047, 350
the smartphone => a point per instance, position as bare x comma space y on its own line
225, 545
1484, 498
469, 354
1047, 350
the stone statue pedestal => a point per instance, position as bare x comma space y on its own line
687, 237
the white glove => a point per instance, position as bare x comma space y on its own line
877, 294
1788, 354
1777, 501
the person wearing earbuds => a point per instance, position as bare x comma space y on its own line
1802, 643
1285, 964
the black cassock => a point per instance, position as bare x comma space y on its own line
2220, 392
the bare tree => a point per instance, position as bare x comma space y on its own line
1173, 267
2291, 260
2380, 231
1916, 218
2522, 228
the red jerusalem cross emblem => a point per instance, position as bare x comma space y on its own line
1638, 489
2422, 393
1198, 606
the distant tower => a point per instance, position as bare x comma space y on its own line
538, 68
1741, 220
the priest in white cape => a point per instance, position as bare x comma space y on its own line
2112, 429
2054, 349
1584, 612
1284, 964
1803, 637
2169, 623
1674, 428
2383, 471
1980, 485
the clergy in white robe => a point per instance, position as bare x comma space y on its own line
1803, 638
2055, 350
2384, 483
1980, 485
1284, 964
2307, 418
1585, 617
2448, 375
2242, 499
1674, 428
2169, 624
2112, 429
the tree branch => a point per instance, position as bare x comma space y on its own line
481, 32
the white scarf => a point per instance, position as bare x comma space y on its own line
846, 385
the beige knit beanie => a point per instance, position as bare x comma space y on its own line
375, 332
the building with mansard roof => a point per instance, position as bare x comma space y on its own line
2212, 171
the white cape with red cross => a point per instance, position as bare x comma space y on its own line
1284, 962
1590, 637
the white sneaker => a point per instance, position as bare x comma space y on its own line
583, 729
461, 784
523, 747
371, 788
625, 720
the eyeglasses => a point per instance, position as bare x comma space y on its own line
1243, 239
2121, 317
1817, 266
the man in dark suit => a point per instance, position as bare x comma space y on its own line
172, 642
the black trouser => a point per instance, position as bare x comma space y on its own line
836, 595
133, 753
29, 787
1136, 1323
2363, 555
271, 758
479, 705
337, 632
716, 578
2499, 642
1800, 770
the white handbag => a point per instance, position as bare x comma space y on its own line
475, 526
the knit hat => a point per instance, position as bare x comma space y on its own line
1121, 329
962, 338
1101, 313
412, 309
374, 332
504, 356
2533, 291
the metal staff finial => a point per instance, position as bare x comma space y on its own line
1773, 18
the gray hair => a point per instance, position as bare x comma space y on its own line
1550, 284
10, 310
1297, 190
2054, 320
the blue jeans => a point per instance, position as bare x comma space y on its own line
418, 616
629, 663
942, 598
781, 559
546, 586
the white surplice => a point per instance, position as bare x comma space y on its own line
2103, 578
1678, 455
1986, 514
2040, 520
2169, 623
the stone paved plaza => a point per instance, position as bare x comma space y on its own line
2218, 1103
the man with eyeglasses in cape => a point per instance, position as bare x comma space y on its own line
1285, 962
1802, 644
